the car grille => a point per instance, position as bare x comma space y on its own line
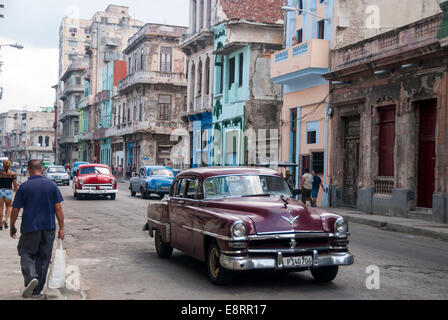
100, 187
286, 243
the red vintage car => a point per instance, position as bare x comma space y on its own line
237, 219
94, 180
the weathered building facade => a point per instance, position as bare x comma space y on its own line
198, 47
389, 122
247, 103
73, 93
314, 28
150, 99
109, 33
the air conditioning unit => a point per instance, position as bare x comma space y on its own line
344, 19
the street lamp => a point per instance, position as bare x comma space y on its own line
286, 8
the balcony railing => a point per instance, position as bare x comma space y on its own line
384, 185
314, 53
405, 39
143, 77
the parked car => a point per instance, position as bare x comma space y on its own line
94, 180
75, 167
58, 175
152, 179
238, 219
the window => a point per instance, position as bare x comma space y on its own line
207, 76
78, 81
103, 20
312, 129
73, 44
142, 60
47, 141
41, 140
164, 107
129, 65
300, 6
321, 29
386, 142
198, 140
73, 30
166, 55
241, 70
299, 36
140, 117
193, 190
180, 190
231, 72
317, 159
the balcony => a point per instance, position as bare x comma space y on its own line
397, 46
307, 59
71, 113
70, 89
153, 77
42, 129
102, 96
87, 101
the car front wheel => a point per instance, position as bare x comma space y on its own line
325, 274
216, 273
163, 250
113, 196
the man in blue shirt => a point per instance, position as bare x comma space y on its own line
40, 200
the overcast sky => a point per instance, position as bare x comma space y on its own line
28, 74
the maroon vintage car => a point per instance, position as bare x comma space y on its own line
94, 180
237, 219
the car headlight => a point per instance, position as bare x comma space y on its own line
341, 227
239, 230
81, 182
112, 181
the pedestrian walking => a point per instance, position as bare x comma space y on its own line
307, 186
317, 183
41, 201
8, 185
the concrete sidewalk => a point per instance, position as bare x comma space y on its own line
11, 278
406, 225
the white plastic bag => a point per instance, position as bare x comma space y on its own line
57, 276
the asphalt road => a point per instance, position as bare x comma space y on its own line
118, 261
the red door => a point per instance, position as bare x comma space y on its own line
427, 153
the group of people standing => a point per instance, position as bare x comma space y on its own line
311, 184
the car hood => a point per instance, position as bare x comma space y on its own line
96, 178
271, 214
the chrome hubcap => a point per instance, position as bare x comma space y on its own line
214, 262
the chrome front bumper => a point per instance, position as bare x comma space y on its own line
96, 192
238, 263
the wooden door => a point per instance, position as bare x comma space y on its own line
426, 153
351, 161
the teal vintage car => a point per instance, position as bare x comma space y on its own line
152, 180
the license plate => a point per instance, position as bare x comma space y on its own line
306, 261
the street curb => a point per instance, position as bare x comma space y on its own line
398, 227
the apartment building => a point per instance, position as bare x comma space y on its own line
110, 31
314, 28
149, 99
30, 135
73, 80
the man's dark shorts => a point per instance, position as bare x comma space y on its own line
306, 194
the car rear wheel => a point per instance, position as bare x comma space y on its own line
161, 195
216, 273
132, 192
142, 194
325, 274
163, 250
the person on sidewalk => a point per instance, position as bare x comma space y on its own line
41, 201
317, 183
8, 185
307, 186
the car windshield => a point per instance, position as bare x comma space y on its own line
245, 186
162, 173
56, 170
94, 170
